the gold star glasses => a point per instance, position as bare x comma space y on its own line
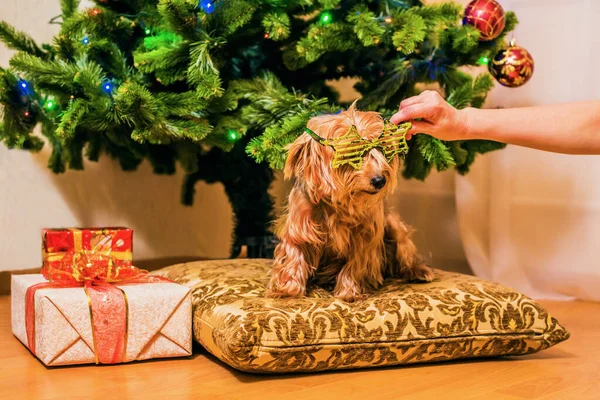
351, 148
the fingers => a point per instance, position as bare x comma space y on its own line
419, 110
408, 108
399, 116
411, 100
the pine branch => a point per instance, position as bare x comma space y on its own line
202, 72
461, 97
74, 152
180, 104
133, 105
434, 152
71, 118
482, 85
180, 17
19, 41
329, 4
368, 30
321, 39
234, 14
277, 25
68, 8
415, 166
511, 22
169, 64
59, 76
465, 39
474, 147
99, 23
56, 162
400, 73
411, 31
187, 155
446, 13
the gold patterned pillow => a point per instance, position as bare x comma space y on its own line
455, 316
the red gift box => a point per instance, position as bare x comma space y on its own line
116, 242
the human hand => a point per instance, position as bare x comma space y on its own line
435, 117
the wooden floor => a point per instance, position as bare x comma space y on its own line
570, 370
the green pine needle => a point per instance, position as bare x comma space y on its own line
68, 8
366, 27
70, 119
411, 32
276, 25
19, 41
435, 152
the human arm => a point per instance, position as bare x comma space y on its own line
572, 128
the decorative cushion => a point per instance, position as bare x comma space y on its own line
454, 317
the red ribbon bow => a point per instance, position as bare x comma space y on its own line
96, 273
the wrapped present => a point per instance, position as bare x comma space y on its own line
116, 242
88, 308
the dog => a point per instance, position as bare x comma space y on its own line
336, 230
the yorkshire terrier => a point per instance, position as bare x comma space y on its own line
336, 230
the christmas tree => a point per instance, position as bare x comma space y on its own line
220, 87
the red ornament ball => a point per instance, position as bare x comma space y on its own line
487, 16
512, 66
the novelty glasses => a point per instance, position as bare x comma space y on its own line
351, 148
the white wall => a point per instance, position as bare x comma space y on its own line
531, 219
32, 197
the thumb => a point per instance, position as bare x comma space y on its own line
399, 117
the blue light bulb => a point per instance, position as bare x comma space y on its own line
85, 40
207, 6
24, 87
107, 87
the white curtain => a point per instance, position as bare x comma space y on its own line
530, 219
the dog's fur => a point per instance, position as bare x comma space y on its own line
336, 230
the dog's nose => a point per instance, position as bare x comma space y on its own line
378, 182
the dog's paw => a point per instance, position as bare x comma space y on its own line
286, 289
418, 273
349, 294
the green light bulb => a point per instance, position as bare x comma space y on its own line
148, 31
484, 60
232, 134
326, 17
50, 105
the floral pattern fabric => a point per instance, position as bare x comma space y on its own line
454, 317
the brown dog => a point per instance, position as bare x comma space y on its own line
336, 229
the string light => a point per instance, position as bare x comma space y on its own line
50, 105
266, 35
26, 113
107, 87
24, 87
326, 17
387, 20
207, 6
483, 60
95, 11
232, 134
85, 40
148, 31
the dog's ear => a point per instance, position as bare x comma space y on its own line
297, 154
310, 162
